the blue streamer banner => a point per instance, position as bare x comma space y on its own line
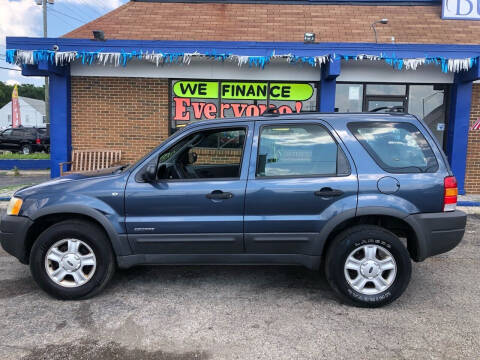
122, 58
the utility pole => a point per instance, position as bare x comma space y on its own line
45, 34
47, 87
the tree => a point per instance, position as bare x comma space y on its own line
26, 90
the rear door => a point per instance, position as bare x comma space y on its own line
300, 177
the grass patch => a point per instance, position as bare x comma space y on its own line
12, 188
34, 156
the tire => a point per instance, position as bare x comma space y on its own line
370, 250
26, 149
54, 243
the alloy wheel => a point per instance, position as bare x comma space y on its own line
70, 263
370, 269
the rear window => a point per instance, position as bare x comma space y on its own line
396, 147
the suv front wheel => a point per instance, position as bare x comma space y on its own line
72, 260
368, 266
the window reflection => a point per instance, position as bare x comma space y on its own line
296, 150
427, 102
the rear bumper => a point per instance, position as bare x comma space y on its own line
437, 233
13, 236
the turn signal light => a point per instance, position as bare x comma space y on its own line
14, 206
450, 194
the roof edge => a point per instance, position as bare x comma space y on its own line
305, 2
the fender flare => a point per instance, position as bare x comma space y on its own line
420, 245
119, 243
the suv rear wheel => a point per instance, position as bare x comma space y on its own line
368, 266
72, 260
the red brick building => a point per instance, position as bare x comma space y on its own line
165, 63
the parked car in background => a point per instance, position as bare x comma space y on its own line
357, 195
25, 140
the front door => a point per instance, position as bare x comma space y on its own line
196, 205
300, 177
6, 139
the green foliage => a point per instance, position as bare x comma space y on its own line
34, 156
26, 90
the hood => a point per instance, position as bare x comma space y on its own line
61, 183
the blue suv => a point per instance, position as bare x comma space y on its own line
358, 195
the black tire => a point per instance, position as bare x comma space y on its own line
94, 237
354, 238
26, 149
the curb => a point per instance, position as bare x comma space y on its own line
29, 172
468, 203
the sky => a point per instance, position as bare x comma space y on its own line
24, 18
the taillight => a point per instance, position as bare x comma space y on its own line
450, 195
37, 141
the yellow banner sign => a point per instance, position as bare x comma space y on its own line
243, 90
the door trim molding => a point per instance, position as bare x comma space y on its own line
192, 238
280, 237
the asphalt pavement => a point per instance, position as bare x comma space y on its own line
253, 312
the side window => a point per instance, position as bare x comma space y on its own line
396, 147
18, 133
209, 154
299, 150
220, 147
7, 132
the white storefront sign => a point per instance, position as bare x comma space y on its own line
461, 9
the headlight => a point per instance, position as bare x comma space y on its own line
14, 206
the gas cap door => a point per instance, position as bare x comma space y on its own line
388, 185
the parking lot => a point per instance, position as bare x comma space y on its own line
226, 312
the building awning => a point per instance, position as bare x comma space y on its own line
62, 51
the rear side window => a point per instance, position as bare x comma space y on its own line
396, 147
299, 150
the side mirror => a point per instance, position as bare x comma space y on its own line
150, 173
162, 172
192, 157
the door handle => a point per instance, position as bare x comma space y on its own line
328, 192
219, 195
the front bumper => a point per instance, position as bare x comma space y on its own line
437, 233
13, 236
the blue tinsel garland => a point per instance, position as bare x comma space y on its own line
90, 57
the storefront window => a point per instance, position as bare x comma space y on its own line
200, 100
386, 89
428, 102
349, 97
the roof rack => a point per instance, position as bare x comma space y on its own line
271, 111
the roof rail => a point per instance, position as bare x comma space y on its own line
271, 111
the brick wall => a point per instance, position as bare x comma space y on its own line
218, 156
472, 179
128, 114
